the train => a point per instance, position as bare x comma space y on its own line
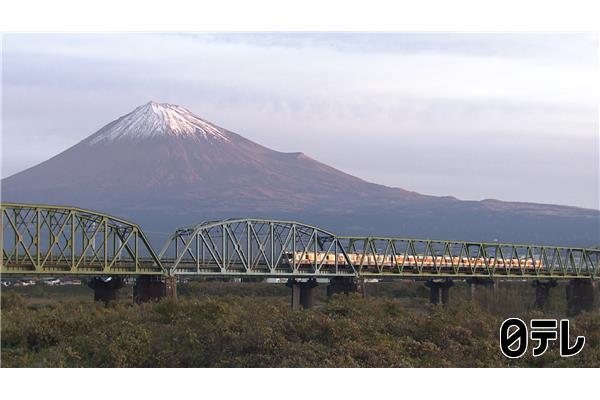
308, 258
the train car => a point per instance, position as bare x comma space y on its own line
308, 258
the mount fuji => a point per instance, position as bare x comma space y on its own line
163, 167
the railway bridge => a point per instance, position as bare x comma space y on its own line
43, 240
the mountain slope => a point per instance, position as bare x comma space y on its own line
163, 166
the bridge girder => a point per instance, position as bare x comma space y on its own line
55, 240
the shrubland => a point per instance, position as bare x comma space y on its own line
226, 324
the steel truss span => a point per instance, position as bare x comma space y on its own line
254, 247
52, 240
380, 256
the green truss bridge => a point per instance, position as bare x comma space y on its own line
55, 240
41, 239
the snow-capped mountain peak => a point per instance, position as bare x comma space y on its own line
154, 119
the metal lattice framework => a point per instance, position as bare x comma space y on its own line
251, 247
41, 239
383, 256
256, 247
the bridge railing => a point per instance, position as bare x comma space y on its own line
42, 239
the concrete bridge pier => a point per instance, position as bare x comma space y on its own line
542, 292
106, 289
345, 285
154, 288
474, 283
439, 290
580, 296
303, 293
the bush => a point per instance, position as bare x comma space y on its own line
11, 300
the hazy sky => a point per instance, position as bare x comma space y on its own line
506, 116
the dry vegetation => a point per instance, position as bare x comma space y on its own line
219, 324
